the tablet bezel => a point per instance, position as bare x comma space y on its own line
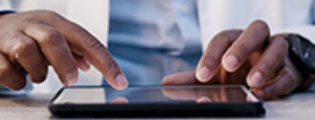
218, 109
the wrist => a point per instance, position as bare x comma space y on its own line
302, 54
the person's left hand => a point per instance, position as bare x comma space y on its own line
251, 57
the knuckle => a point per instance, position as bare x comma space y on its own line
91, 43
23, 48
211, 62
5, 70
49, 36
112, 66
49, 14
244, 48
87, 40
264, 67
46, 15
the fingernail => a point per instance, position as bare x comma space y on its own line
121, 81
230, 63
256, 79
203, 100
71, 82
203, 74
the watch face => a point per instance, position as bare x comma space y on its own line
308, 55
303, 54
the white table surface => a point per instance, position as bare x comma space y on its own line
299, 106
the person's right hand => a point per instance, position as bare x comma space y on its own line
35, 39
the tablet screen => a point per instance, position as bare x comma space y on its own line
165, 94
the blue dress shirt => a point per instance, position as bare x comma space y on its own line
153, 38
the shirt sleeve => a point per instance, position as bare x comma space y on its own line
5, 6
307, 30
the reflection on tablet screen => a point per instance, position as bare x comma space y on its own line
166, 94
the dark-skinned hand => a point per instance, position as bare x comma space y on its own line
251, 57
34, 40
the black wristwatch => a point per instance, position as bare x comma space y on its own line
302, 54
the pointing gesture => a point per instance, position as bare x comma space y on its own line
33, 40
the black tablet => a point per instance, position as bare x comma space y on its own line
156, 101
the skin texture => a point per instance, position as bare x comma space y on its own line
36, 39
250, 57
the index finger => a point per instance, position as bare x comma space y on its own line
209, 63
82, 42
251, 40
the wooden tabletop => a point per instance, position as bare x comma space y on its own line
299, 106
